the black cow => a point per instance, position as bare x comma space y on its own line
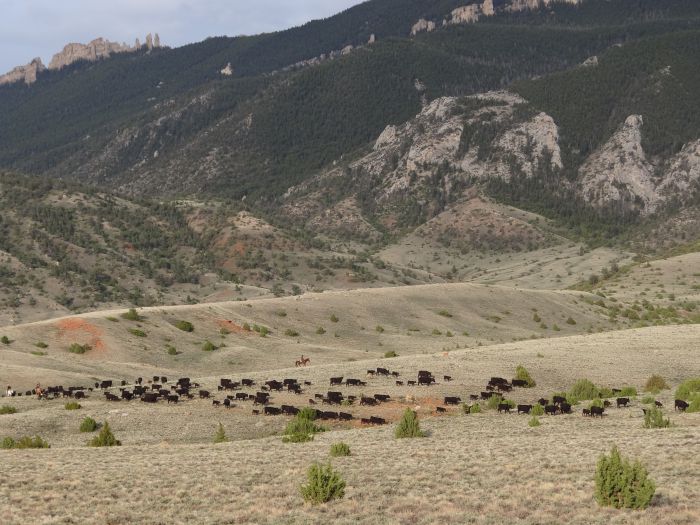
344, 416
227, 403
105, 384
565, 408
586, 412
290, 410
377, 420
125, 395
597, 411
204, 394
558, 400
519, 383
370, 372
447, 379
368, 401
474, 397
606, 403
453, 400
411, 383
80, 394
440, 410
352, 382
111, 397
329, 415
382, 398
426, 380
272, 411
242, 396
148, 397
542, 401
336, 381
524, 409
622, 401
395, 374
216, 403
163, 379
504, 407
288, 382
551, 409
486, 395
399, 383
658, 404
681, 405
247, 382
383, 371
173, 398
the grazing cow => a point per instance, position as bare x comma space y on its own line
426, 380
111, 397
519, 383
336, 381
288, 382
256, 412
411, 383
312, 402
606, 403
524, 409
586, 412
440, 410
658, 404
565, 408
139, 380
216, 403
105, 384
242, 396
148, 397
395, 374
680, 405
504, 407
542, 401
399, 383
247, 382
163, 379
123, 383
473, 397
173, 398
294, 388
486, 395
353, 382
318, 396
307, 383
344, 416
156, 378
551, 409
204, 394
368, 401
453, 400
377, 420
383, 371
227, 403
597, 411
290, 410
365, 421
272, 411
125, 395
382, 398
261, 400
447, 379
370, 372
80, 394
558, 400
622, 401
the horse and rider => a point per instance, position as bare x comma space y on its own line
304, 361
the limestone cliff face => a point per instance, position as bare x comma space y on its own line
26, 74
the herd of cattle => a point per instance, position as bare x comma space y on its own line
158, 389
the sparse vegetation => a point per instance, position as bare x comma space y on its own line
323, 485
537, 410
5, 340
320, 330
7, 409
76, 348
334, 318
220, 435
390, 353
571, 321
291, 332
655, 384
88, 425
654, 418
409, 426
25, 442
137, 332
132, 315
302, 428
621, 484
72, 405
171, 350
444, 313
185, 326
41, 344
522, 374
208, 346
534, 422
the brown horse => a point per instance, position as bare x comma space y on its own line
304, 361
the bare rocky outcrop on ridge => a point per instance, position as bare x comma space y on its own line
26, 74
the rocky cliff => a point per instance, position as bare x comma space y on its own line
26, 74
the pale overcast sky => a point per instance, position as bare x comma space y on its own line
40, 28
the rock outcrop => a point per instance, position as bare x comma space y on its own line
421, 26
26, 74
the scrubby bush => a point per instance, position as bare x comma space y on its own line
444, 313
570, 321
493, 402
522, 374
628, 391
25, 442
302, 428
88, 425
340, 449
208, 346
334, 318
76, 348
132, 315
291, 333
409, 426
41, 344
137, 332
654, 418
105, 438
655, 384
687, 388
323, 484
648, 400
220, 435
534, 422
473, 409
379, 329
72, 405
390, 353
171, 350
5, 340
537, 410
185, 326
584, 389
621, 484
597, 403
320, 330
7, 409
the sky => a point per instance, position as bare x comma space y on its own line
40, 28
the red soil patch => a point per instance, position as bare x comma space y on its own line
232, 327
77, 330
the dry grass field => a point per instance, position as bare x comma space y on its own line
483, 468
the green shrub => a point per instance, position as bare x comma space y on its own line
379, 329
537, 410
648, 400
390, 353
171, 350
5, 340
220, 435
584, 389
621, 484
323, 484
570, 321
493, 402
25, 442
522, 374
246, 327
409, 426
88, 425
655, 384
534, 422
7, 409
444, 313
597, 403
334, 318
340, 449
628, 391
105, 438
536, 318
291, 333
41, 344
654, 418
132, 315
113, 319
687, 388
185, 326
473, 409
72, 405
208, 346
75, 348
320, 330
137, 332
302, 428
